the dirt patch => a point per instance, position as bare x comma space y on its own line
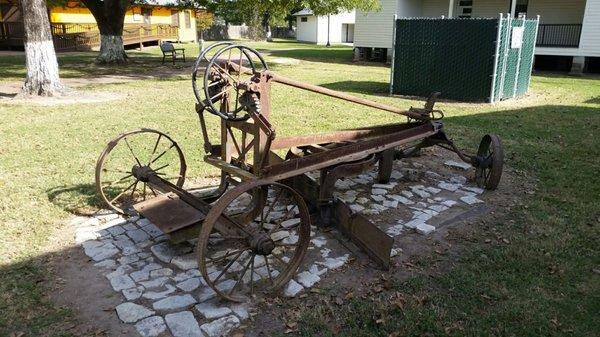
79, 287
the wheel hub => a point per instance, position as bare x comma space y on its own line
142, 172
262, 244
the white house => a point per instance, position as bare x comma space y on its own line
338, 28
568, 28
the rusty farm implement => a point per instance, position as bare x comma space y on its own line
253, 228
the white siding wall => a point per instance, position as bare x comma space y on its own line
435, 8
374, 29
335, 27
321, 30
590, 34
306, 31
490, 8
409, 8
557, 11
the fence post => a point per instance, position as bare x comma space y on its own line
505, 56
517, 72
140, 37
537, 26
496, 54
393, 55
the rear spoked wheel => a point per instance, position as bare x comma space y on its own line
491, 157
136, 151
241, 256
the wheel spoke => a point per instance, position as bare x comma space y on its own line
286, 244
123, 192
279, 259
227, 267
252, 275
262, 220
241, 277
153, 191
131, 150
134, 187
118, 181
162, 154
160, 168
221, 258
268, 269
221, 93
224, 72
285, 217
154, 149
115, 171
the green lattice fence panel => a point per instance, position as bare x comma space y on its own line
503, 47
464, 59
512, 59
453, 56
527, 55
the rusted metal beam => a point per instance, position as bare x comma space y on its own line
344, 96
340, 136
348, 153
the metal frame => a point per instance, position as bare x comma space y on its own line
334, 155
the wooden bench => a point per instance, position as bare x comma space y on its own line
168, 50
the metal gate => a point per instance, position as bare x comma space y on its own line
482, 59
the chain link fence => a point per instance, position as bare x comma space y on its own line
483, 59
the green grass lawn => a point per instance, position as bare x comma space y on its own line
545, 281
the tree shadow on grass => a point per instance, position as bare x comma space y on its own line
81, 199
318, 54
594, 100
82, 65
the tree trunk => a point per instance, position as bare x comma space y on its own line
110, 17
112, 50
42, 68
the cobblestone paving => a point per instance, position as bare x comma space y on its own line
162, 289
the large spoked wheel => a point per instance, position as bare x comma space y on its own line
227, 80
240, 256
118, 169
198, 66
491, 154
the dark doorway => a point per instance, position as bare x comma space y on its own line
175, 18
147, 14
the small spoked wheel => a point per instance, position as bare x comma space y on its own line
121, 167
491, 155
240, 255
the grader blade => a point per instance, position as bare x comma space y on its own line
362, 232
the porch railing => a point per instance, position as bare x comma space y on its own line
559, 35
74, 36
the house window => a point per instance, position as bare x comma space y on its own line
304, 19
464, 8
521, 7
188, 23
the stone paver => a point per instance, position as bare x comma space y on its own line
183, 324
151, 326
210, 310
163, 292
175, 302
130, 312
220, 327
